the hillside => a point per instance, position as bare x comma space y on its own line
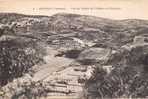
41, 46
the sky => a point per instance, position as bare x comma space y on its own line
113, 9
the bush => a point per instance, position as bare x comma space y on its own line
121, 82
127, 79
73, 53
16, 58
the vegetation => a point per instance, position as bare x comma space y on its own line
17, 57
127, 79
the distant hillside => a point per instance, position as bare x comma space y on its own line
86, 28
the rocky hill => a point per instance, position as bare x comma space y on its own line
41, 45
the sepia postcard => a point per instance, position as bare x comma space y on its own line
73, 49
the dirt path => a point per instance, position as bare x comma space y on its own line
52, 64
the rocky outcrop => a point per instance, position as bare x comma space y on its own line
94, 55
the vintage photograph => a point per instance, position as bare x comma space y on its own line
73, 52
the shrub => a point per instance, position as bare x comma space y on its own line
17, 57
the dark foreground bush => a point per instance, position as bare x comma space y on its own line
122, 82
17, 57
129, 78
